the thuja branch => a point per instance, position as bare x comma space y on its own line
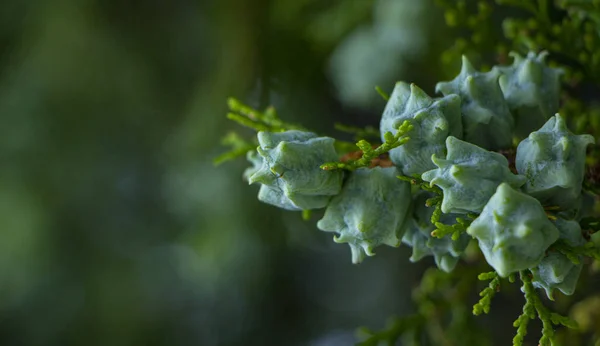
246, 116
423, 185
502, 210
239, 147
259, 121
435, 202
528, 310
484, 304
534, 307
369, 153
455, 230
441, 229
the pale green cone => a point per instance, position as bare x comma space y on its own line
513, 231
553, 160
433, 121
487, 121
557, 271
445, 251
287, 164
469, 176
370, 211
531, 89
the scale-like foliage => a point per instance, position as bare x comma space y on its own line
370, 211
534, 215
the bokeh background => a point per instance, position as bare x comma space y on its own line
117, 229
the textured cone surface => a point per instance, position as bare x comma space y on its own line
287, 164
557, 271
433, 121
370, 211
553, 160
487, 121
469, 176
531, 89
445, 251
513, 231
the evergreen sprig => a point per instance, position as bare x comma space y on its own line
435, 202
249, 117
425, 186
455, 230
257, 120
575, 41
369, 153
529, 313
484, 304
239, 147
534, 307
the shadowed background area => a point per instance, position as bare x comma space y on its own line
116, 227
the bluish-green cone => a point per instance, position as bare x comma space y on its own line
445, 251
487, 121
371, 210
531, 90
432, 120
287, 164
553, 160
469, 176
513, 231
557, 271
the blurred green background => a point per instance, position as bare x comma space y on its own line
116, 227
